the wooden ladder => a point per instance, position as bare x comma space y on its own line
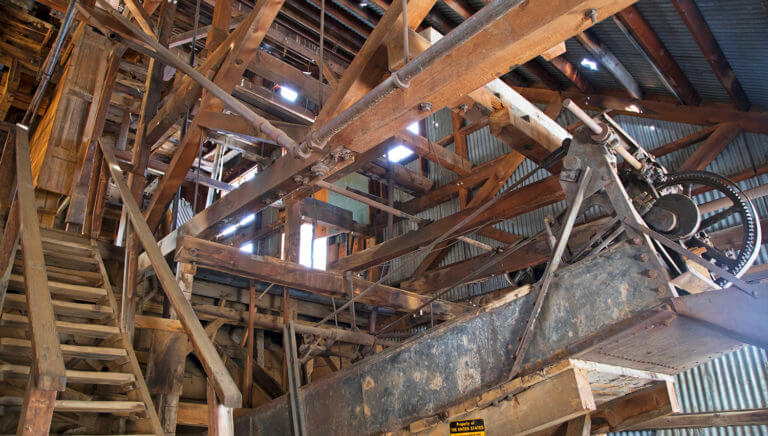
106, 392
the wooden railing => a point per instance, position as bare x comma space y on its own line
47, 375
218, 375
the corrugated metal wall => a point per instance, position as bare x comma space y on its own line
735, 381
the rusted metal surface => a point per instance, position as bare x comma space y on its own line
461, 358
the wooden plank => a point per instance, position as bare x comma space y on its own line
65, 327
61, 307
658, 53
75, 376
214, 367
707, 113
711, 147
24, 347
701, 32
567, 395
193, 414
327, 283
76, 406
50, 374
76, 292
724, 418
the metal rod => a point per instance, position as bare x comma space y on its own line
663, 240
294, 381
549, 272
466, 30
391, 210
584, 117
166, 56
50, 64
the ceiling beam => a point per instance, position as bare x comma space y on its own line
707, 113
701, 32
572, 73
610, 62
231, 260
550, 81
652, 45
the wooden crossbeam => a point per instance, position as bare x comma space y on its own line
701, 32
710, 148
707, 113
723, 418
326, 283
633, 20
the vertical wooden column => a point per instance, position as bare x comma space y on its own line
36, 411
167, 359
292, 231
220, 417
139, 161
248, 372
460, 147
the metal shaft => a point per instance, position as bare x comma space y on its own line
584, 117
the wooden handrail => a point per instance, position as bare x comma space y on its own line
219, 376
49, 363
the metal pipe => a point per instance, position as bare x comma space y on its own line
49, 65
167, 57
401, 79
584, 117
405, 32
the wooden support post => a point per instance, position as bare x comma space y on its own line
292, 231
139, 161
220, 417
581, 426
36, 411
248, 373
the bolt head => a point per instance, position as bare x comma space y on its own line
425, 107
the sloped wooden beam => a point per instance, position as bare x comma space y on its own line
658, 53
707, 113
330, 284
701, 32
724, 418
572, 73
708, 150
437, 154
543, 75
611, 63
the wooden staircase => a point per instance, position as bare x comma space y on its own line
105, 390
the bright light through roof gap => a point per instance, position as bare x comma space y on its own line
288, 94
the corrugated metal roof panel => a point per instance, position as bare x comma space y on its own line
664, 19
634, 60
741, 30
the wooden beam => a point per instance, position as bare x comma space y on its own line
36, 410
225, 387
611, 63
429, 150
701, 32
723, 135
272, 68
640, 406
328, 215
50, 374
326, 283
724, 418
658, 53
572, 73
706, 113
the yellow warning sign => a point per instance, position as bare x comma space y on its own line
468, 427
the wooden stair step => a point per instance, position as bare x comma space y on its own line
59, 289
65, 275
64, 327
61, 235
74, 376
14, 345
67, 247
82, 310
77, 406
